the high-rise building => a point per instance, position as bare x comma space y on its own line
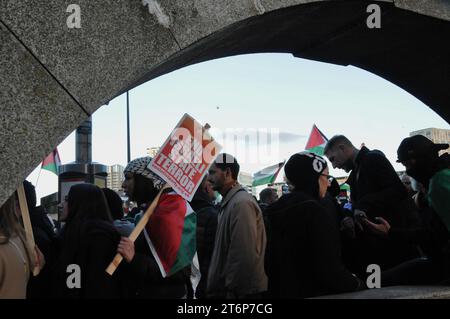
115, 177
436, 135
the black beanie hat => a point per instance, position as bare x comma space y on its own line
303, 171
418, 146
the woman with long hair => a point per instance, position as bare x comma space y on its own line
88, 244
16, 257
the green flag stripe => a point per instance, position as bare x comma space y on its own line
51, 167
188, 245
317, 150
265, 180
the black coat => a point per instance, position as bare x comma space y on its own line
432, 237
377, 190
92, 250
40, 287
207, 215
303, 256
146, 281
333, 208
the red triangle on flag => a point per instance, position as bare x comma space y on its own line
52, 162
316, 138
52, 158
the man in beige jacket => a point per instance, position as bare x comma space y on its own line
237, 265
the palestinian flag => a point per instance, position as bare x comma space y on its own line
171, 233
52, 162
316, 142
267, 175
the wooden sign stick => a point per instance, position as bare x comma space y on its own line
27, 225
137, 230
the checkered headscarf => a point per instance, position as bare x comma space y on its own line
139, 166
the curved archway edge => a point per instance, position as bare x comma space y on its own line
54, 77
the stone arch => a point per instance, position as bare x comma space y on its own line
54, 77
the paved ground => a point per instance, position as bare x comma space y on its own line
401, 292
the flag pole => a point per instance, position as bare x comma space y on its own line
137, 230
39, 175
128, 128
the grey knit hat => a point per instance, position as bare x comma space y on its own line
140, 166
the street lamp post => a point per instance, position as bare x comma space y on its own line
128, 129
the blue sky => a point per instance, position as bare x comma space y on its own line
271, 91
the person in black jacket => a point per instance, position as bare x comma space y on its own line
432, 238
207, 215
39, 287
89, 240
421, 158
142, 186
376, 191
267, 197
115, 204
303, 257
422, 161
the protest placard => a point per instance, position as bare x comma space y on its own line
182, 161
185, 157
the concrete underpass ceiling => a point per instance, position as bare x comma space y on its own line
54, 77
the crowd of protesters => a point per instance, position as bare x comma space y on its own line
303, 244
